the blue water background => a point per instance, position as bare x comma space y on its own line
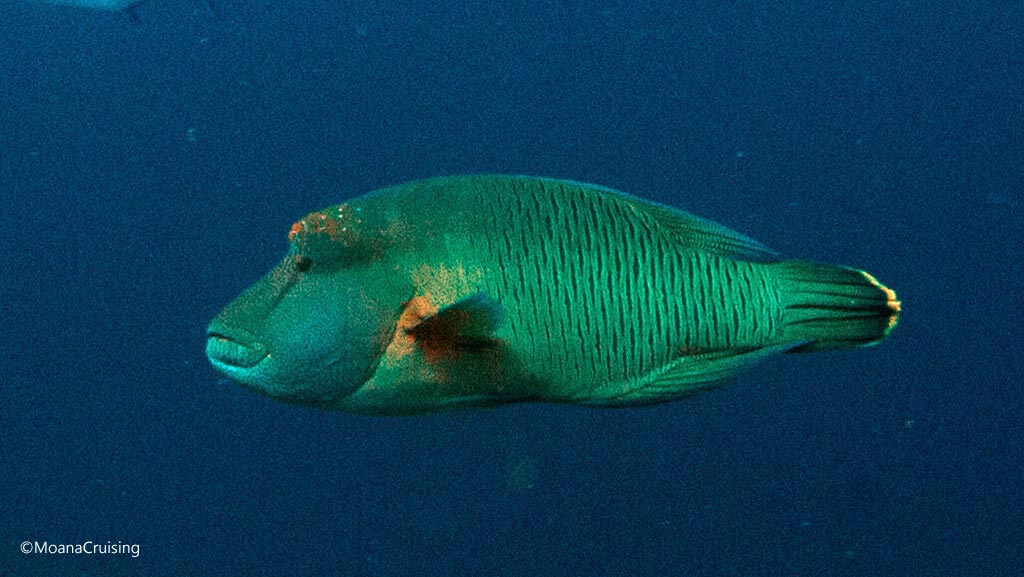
150, 168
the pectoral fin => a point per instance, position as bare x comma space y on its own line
463, 327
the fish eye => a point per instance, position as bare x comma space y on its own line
303, 263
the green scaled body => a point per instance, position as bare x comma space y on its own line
481, 290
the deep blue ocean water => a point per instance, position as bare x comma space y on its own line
150, 168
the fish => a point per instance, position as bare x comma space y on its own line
127, 6
477, 291
101, 5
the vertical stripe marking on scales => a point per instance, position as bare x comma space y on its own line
724, 311
599, 307
617, 293
546, 274
674, 300
635, 307
728, 300
554, 272
561, 270
752, 312
509, 213
770, 303
626, 302
589, 290
499, 248
746, 305
736, 304
713, 301
755, 310
678, 296
596, 309
581, 281
699, 298
657, 276
573, 332
624, 268
538, 290
575, 343
629, 306
521, 253
718, 304
660, 297
613, 291
603, 291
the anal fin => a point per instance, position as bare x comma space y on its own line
688, 375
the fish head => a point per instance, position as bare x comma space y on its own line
314, 328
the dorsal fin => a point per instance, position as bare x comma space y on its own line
692, 230
687, 229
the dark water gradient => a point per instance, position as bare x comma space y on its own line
149, 170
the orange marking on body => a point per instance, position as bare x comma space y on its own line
341, 224
448, 282
402, 343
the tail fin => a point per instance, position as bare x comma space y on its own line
832, 307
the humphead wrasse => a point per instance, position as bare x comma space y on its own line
482, 290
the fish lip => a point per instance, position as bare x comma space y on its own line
230, 350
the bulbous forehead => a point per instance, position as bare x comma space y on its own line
341, 224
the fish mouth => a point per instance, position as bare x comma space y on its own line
233, 352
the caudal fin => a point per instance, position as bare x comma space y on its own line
831, 307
